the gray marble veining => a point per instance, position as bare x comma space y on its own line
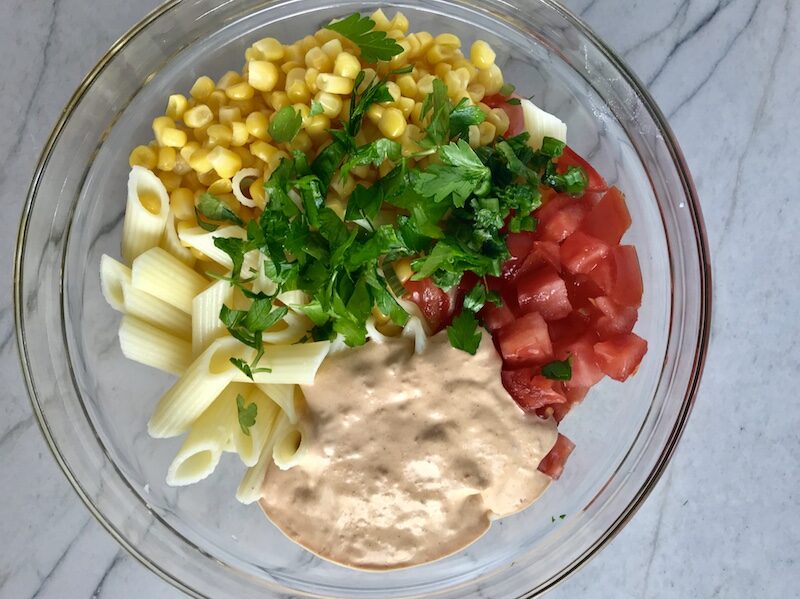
725, 519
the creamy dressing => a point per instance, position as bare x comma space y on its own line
408, 456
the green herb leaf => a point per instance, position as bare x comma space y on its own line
374, 153
558, 370
329, 159
203, 224
261, 316
236, 249
437, 104
212, 207
463, 115
475, 298
464, 333
461, 174
247, 414
364, 202
285, 125
514, 101
507, 89
376, 92
374, 45
552, 147
316, 108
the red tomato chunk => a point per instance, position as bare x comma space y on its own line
627, 287
580, 252
531, 392
525, 341
571, 158
619, 357
495, 317
432, 301
544, 291
609, 219
553, 463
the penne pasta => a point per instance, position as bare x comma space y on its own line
289, 364
200, 453
203, 241
250, 489
290, 444
249, 446
157, 312
145, 213
287, 397
164, 276
206, 325
113, 275
290, 329
171, 242
149, 345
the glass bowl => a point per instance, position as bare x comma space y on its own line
92, 404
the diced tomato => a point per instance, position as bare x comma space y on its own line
543, 291
553, 463
542, 254
566, 330
520, 244
604, 274
627, 287
496, 317
619, 357
580, 252
571, 158
614, 319
531, 392
580, 291
525, 341
585, 371
432, 301
516, 119
562, 223
609, 218
558, 411
508, 293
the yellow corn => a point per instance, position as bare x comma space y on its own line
394, 90
413, 46
172, 137
323, 36
262, 75
294, 53
346, 65
375, 112
332, 47
159, 124
381, 21
240, 91
334, 84
256, 190
216, 99
248, 159
143, 156
263, 151
202, 88
289, 65
181, 201
190, 181
311, 80
317, 59
279, 100
488, 132
331, 104
189, 149
229, 114
269, 48
239, 133
476, 92
199, 161
307, 43
170, 180
491, 79
425, 40
317, 125
425, 85
301, 142
298, 92
228, 79
219, 135
343, 188
400, 21
482, 55
166, 158
224, 161
220, 186
176, 105
392, 123
199, 116
406, 105
257, 125
448, 40
499, 118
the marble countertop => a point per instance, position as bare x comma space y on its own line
724, 521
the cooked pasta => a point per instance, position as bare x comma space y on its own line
287, 397
290, 442
113, 275
172, 243
164, 276
249, 445
156, 312
149, 345
250, 488
206, 325
288, 364
145, 213
236, 183
203, 242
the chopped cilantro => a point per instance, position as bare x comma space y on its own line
374, 45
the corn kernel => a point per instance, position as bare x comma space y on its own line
317, 125
425, 84
448, 40
334, 84
416, 113
392, 123
335, 203
189, 149
375, 112
346, 65
463, 63
256, 190
414, 45
317, 59
499, 118
240, 91
343, 188
159, 124
491, 79
181, 201
425, 42
482, 55
442, 69
332, 48
360, 172
257, 125
301, 142
325, 35
394, 90
294, 53
381, 20
400, 21
407, 85
290, 65
307, 43
439, 54
143, 156
202, 88
174, 138
228, 79
399, 60
488, 132
216, 100
278, 100
331, 104
262, 75
190, 181
476, 92
269, 48
170, 180
252, 54
311, 79
345, 110
224, 161
229, 114
199, 161
219, 135
220, 186
263, 151
298, 92
248, 159
200, 134
406, 105
166, 158
176, 105
199, 116
385, 168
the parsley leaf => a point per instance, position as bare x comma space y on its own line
285, 124
475, 298
376, 92
374, 45
437, 103
460, 174
374, 153
464, 333
364, 202
462, 116
247, 415
316, 108
558, 370
212, 207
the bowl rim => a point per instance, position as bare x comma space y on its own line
704, 312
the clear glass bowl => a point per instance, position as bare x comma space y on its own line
93, 404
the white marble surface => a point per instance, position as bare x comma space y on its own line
725, 519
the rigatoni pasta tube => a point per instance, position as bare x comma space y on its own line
195, 390
156, 312
206, 325
201, 451
113, 275
145, 213
160, 274
149, 345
